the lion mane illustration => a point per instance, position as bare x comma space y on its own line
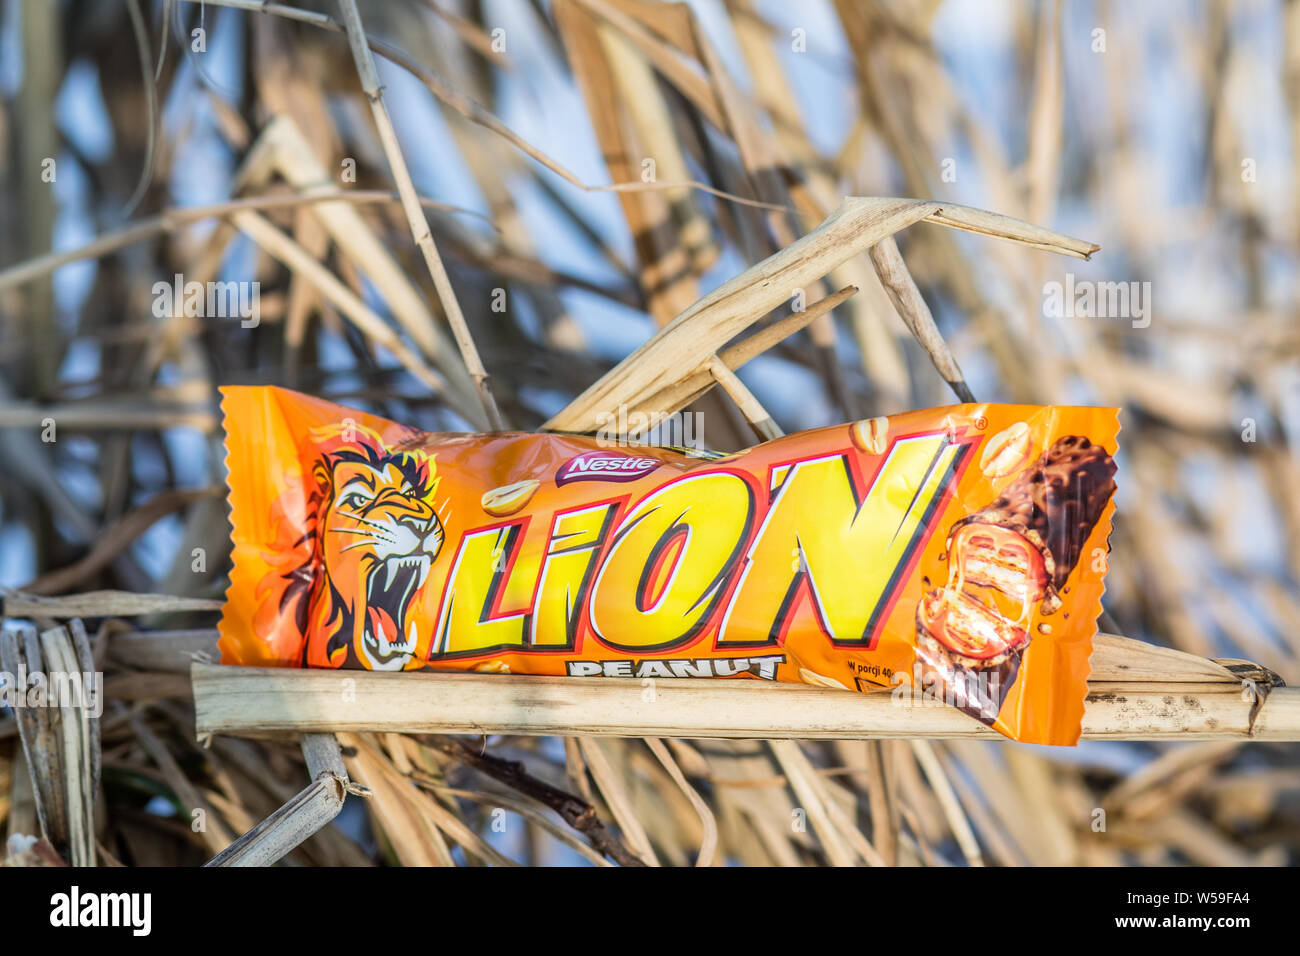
372, 536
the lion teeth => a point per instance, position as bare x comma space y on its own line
418, 562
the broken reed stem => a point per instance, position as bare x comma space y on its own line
898, 282
305, 813
286, 828
749, 406
692, 386
765, 338
415, 213
856, 225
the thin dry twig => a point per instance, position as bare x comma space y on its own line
415, 213
577, 813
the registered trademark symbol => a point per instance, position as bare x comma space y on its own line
981, 423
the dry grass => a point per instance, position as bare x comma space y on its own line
374, 293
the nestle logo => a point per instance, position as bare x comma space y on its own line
602, 466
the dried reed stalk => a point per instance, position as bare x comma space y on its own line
303, 815
1189, 700
855, 226
415, 212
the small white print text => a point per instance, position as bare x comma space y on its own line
764, 667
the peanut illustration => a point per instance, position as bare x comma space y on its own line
871, 435
1006, 451
812, 677
508, 499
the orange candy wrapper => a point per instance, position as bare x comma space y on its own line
954, 553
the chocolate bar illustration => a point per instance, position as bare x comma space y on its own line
1052, 506
1021, 547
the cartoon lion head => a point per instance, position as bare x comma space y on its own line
376, 537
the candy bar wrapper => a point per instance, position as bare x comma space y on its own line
947, 556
